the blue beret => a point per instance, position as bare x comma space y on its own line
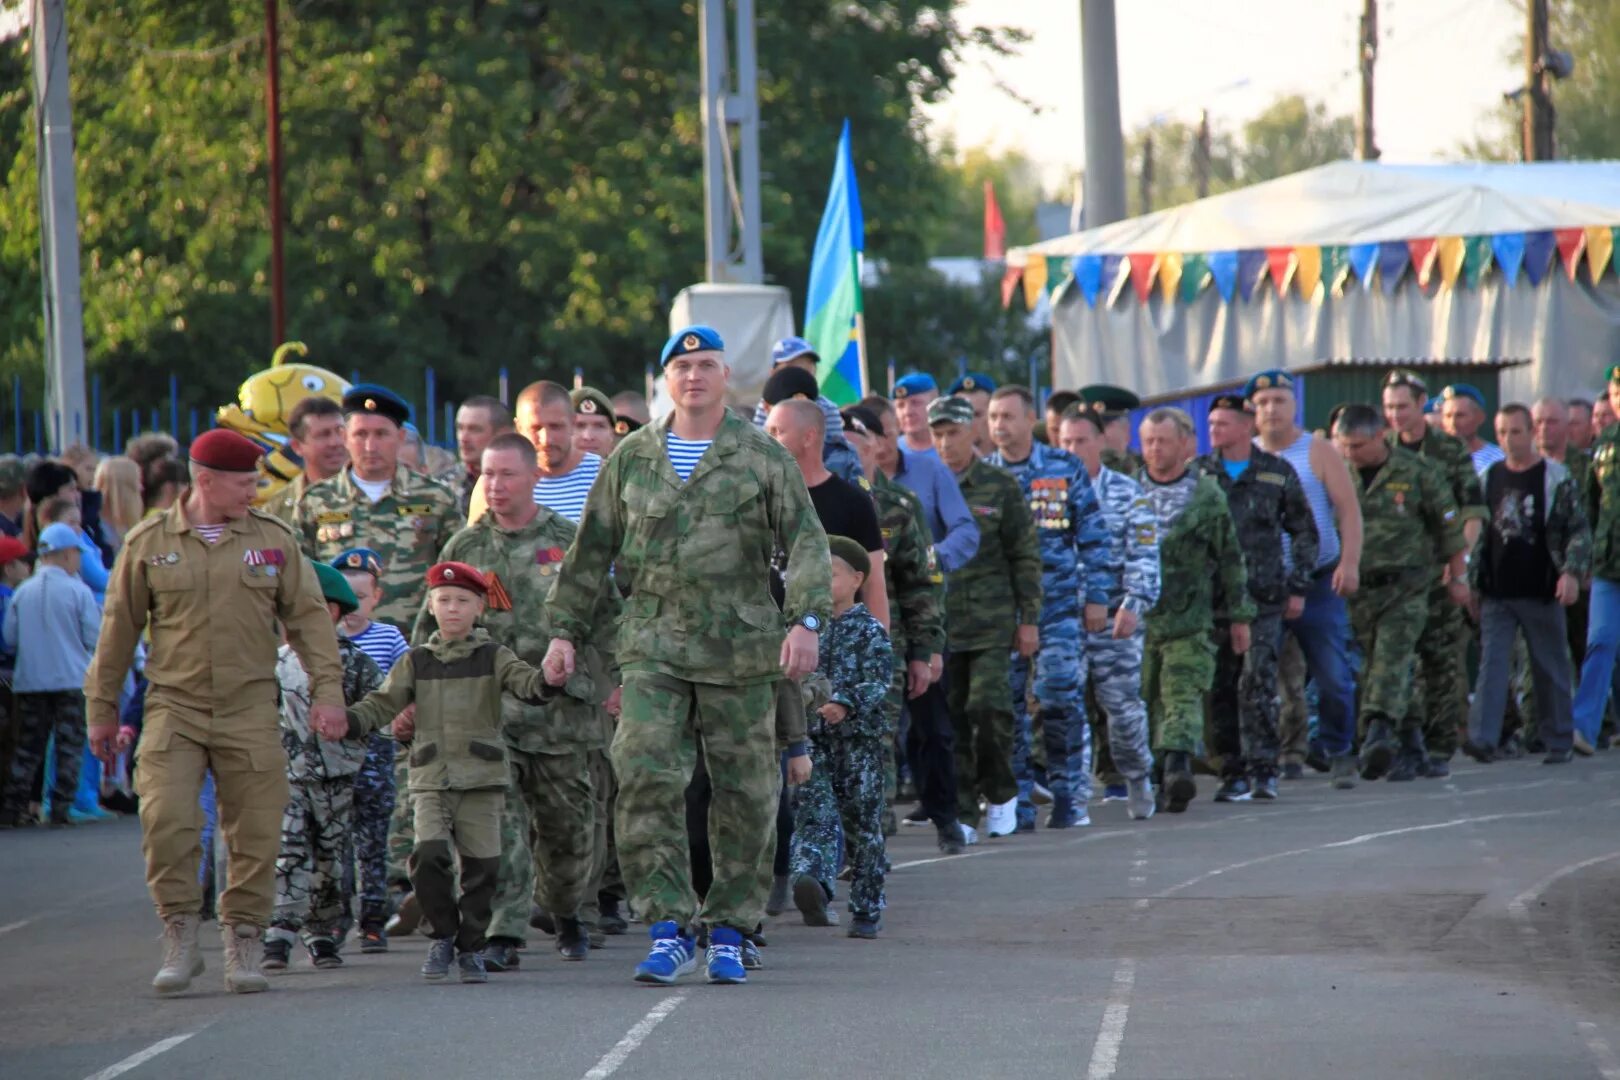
1430, 405
690, 340
1275, 379
362, 559
1462, 389
377, 400
917, 382
791, 348
973, 380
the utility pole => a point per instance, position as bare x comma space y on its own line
732, 210
1367, 57
1201, 151
1145, 181
58, 229
278, 279
1538, 106
1105, 143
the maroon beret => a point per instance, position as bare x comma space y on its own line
226, 451
458, 574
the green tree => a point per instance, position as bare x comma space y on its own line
1292, 135
1018, 191
920, 321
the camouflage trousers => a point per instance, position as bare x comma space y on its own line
309, 868
548, 822
605, 877
841, 808
663, 722
366, 862
39, 716
976, 683
1243, 703
401, 826
1176, 675
1113, 670
1387, 620
1440, 707
1058, 687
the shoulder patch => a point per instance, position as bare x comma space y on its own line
332, 517
1271, 478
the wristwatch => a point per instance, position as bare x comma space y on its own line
811, 623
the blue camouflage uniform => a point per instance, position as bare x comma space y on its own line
1115, 666
1073, 542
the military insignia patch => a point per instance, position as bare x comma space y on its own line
690, 341
587, 406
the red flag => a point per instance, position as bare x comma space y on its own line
1009, 282
1571, 244
995, 230
1277, 260
1423, 252
1144, 267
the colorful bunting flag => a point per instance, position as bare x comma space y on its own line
1194, 276
1599, 249
1143, 266
1280, 261
1088, 271
1009, 282
1539, 248
1364, 260
1115, 270
995, 229
1508, 250
1476, 259
1571, 245
1422, 251
1034, 281
1223, 266
1251, 266
1393, 257
1169, 275
1308, 269
1335, 267
1449, 251
1057, 271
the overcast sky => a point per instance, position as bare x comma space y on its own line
1442, 66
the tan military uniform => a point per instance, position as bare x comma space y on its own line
212, 611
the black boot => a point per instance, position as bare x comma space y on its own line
572, 941
1179, 786
501, 954
608, 919
1377, 750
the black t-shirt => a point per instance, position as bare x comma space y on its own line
1517, 563
1369, 473
844, 510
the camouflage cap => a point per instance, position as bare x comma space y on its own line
13, 474
850, 552
950, 410
589, 401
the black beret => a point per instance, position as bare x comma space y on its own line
787, 383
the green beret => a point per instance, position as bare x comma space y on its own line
851, 552
336, 589
1108, 400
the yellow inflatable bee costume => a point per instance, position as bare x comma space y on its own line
264, 402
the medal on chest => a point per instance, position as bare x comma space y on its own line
1049, 502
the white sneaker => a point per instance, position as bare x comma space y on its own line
1002, 819
1140, 801
970, 835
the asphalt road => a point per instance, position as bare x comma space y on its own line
1461, 928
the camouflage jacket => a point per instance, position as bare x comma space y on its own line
1133, 542
856, 660
522, 566
1578, 463
284, 503
1069, 525
1409, 518
1601, 500
916, 587
1456, 464
310, 757
460, 484
1267, 502
406, 527
1000, 587
696, 556
1569, 538
457, 687
1201, 567
1124, 462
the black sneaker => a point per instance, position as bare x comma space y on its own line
1404, 769
470, 967
277, 954
1265, 787
1344, 772
437, 964
1439, 769
541, 920
1480, 752
608, 919
811, 900
950, 839
1293, 770
751, 960
1233, 789
323, 953
1179, 786
1377, 751
1558, 757
1317, 760
573, 943
918, 816
501, 954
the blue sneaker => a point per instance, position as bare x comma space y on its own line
725, 956
1116, 793
673, 955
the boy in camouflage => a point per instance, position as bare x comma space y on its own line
315, 830
458, 762
846, 750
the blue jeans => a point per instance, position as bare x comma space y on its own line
1323, 633
1602, 637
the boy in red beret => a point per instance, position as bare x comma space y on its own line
458, 772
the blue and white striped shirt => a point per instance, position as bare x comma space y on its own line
684, 454
565, 495
383, 643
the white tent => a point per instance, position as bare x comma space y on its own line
1570, 329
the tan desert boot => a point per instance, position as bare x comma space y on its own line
182, 960
242, 949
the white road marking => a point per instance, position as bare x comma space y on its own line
1105, 1053
633, 1038
1608, 1067
141, 1057
945, 858
1519, 906
18, 925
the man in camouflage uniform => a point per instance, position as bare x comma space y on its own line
688, 513
315, 435
479, 419
992, 604
407, 522
1267, 503
315, 829
1112, 406
1073, 541
916, 599
548, 823
1600, 499
1410, 523
1202, 572
1441, 646
1113, 655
